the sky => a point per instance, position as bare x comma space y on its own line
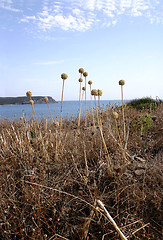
110, 39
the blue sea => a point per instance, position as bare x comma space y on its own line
70, 109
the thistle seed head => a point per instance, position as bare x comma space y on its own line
80, 80
115, 115
83, 88
122, 82
64, 76
28, 93
90, 82
81, 70
94, 92
85, 74
56, 124
99, 92
46, 99
31, 102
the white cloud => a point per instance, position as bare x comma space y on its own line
81, 15
8, 5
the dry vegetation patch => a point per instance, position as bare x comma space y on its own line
51, 180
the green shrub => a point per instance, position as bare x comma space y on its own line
144, 103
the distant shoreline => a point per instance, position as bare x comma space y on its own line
24, 100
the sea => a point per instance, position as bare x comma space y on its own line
70, 109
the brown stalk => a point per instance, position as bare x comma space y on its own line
92, 108
85, 102
102, 136
79, 105
50, 112
61, 108
123, 115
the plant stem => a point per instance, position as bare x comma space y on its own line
61, 107
35, 116
50, 112
122, 236
124, 127
103, 140
79, 105
120, 142
85, 102
92, 108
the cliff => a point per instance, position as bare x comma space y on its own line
24, 100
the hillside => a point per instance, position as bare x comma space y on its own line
24, 100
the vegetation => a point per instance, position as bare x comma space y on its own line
83, 182
23, 100
144, 103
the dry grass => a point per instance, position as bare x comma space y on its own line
44, 196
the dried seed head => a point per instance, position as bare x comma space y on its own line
31, 102
80, 80
21, 118
81, 70
83, 88
90, 82
56, 124
85, 74
28, 93
99, 92
122, 82
46, 99
94, 92
64, 76
115, 115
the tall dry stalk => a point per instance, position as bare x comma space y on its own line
83, 88
90, 83
94, 93
80, 89
115, 116
99, 93
64, 76
29, 94
46, 100
104, 210
85, 74
122, 83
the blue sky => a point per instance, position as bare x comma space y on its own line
110, 39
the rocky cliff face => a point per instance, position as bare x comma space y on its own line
24, 100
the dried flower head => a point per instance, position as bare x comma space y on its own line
28, 93
56, 124
94, 92
64, 76
21, 118
31, 102
85, 74
115, 115
81, 70
83, 88
46, 99
99, 92
80, 80
122, 82
90, 82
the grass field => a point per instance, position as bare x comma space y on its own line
51, 181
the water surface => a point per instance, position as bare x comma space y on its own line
70, 108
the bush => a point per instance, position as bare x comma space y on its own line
144, 103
